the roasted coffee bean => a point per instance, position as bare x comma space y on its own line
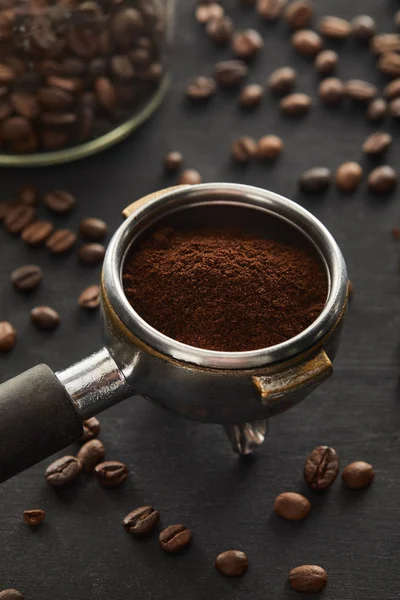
361, 91
26, 105
377, 143
37, 232
90, 297
230, 73
377, 110
53, 98
58, 119
295, 105
106, 93
220, 30
282, 80
392, 90
121, 67
34, 516
299, 14
26, 278
292, 506
60, 201
141, 521
173, 161
269, 147
200, 88
91, 254
363, 28
335, 27
11, 594
251, 95
321, 467
394, 108
18, 217
326, 62
382, 179
206, 11
307, 42
358, 475
111, 473
93, 229
91, 429
315, 180
348, 177
72, 84
308, 579
18, 134
7, 74
8, 336
389, 64
332, 91
385, 42
232, 563
63, 471
243, 149
189, 177
175, 538
61, 241
45, 317
91, 454
126, 24
270, 10
247, 43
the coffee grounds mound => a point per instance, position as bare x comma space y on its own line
223, 290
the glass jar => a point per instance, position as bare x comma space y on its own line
76, 76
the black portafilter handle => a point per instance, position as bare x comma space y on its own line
37, 419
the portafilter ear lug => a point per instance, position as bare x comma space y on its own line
131, 208
247, 437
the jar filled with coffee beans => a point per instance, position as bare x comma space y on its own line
78, 75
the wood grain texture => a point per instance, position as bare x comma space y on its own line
185, 469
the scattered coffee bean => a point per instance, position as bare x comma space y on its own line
29, 195
206, 11
392, 90
299, 14
296, 105
230, 73
363, 28
270, 10
394, 108
60, 201
377, 110
244, 149
189, 177
315, 180
200, 88
247, 43
335, 27
385, 42
141, 521
308, 579
251, 95
18, 217
8, 336
377, 143
93, 229
269, 147
91, 254
382, 179
307, 42
175, 538
111, 473
63, 471
11, 594
220, 30
282, 80
232, 563
358, 475
348, 177
45, 317
91, 429
321, 467
90, 297
326, 62
37, 232
27, 277
389, 64
361, 91
91, 454
34, 516
292, 506
173, 161
332, 91
61, 241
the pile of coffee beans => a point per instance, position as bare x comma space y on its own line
71, 72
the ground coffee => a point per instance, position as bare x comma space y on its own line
224, 290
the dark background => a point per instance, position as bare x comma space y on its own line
185, 469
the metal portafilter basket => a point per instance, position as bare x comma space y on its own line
41, 411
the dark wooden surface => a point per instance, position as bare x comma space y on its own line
186, 469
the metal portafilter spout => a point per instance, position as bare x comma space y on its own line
41, 412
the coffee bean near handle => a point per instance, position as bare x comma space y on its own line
37, 232
321, 467
34, 517
111, 473
45, 317
60, 201
91, 454
232, 563
8, 336
91, 254
91, 429
93, 229
141, 521
63, 471
175, 538
308, 579
358, 475
11, 594
18, 217
27, 277
61, 241
90, 297
292, 506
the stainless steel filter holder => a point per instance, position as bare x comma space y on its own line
41, 412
